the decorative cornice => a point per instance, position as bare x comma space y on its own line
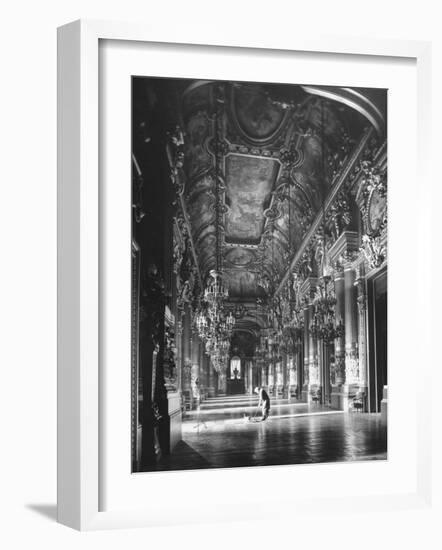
375, 251
348, 168
175, 154
346, 244
308, 287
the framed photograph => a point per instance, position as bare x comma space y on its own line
233, 223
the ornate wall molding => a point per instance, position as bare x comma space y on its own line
351, 364
374, 250
352, 166
175, 155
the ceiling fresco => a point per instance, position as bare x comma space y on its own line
249, 184
270, 153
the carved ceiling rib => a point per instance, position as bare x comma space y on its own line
175, 157
268, 153
354, 99
192, 245
353, 159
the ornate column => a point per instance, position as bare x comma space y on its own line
340, 317
298, 361
362, 314
211, 379
320, 360
339, 366
313, 361
271, 376
307, 291
285, 376
314, 382
222, 381
305, 357
266, 375
313, 365
351, 338
292, 373
202, 371
179, 350
250, 368
351, 328
187, 360
245, 373
343, 253
207, 369
279, 384
195, 376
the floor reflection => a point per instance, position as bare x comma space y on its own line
221, 436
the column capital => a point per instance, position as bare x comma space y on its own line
345, 249
338, 274
308, 288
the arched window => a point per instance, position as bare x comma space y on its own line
235, 368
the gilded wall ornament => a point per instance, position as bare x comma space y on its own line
352, 366
175, 153
374, 250
339, 369
314, 371
374, 198
339, 216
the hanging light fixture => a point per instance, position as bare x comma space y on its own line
215, 292
324, 325
214, 327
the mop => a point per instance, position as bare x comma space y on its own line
251, 418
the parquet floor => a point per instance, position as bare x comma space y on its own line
220, 436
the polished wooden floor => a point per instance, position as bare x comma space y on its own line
220, 435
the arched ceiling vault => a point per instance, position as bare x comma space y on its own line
277, 148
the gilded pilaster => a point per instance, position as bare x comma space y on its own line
340, 342
362, 313
305, 358
351, 328
285, 376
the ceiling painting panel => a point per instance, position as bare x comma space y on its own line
249, 183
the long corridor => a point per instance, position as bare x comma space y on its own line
220, 435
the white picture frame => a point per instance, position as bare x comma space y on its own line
79, 265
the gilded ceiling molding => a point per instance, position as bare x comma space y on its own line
304, 192
197, 84
374, 250
202, 232
373, 204
344, 250
175, 155
316, 224
242, 132
353, 99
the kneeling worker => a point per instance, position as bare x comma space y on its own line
263, 402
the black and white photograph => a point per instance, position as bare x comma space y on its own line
258, 275
221, 225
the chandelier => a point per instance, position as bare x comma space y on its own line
213, 324
324, 325
215, 293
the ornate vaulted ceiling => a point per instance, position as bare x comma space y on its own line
270, 154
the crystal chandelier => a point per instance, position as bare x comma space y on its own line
215, 292
324, 325
214, 326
